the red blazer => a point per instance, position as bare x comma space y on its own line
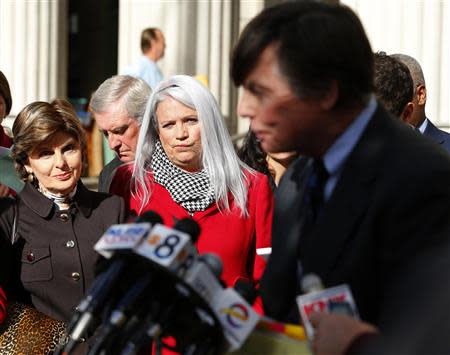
232, 237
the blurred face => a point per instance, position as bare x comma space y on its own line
281, 121
2, 108
159, 45
179, 133
283, 155
121, 131
57, 163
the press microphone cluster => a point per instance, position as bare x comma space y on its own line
154, 285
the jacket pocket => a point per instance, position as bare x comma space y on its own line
36, 264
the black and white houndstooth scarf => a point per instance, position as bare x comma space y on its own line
193, 191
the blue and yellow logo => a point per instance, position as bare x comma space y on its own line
236, 315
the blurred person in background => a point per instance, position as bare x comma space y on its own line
393, 86
273, 165
153, 45
5, 108
186, 166
118, 106
418, 118
50, 229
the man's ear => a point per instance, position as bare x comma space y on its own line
406, 115
421, 94
330, 97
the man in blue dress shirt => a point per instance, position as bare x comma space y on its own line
381, 222
153, 45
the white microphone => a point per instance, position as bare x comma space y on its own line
236, 315
337, 299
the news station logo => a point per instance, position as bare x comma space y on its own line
338, 299
154, 239
236, 315
121, 237
323, 304
123, 234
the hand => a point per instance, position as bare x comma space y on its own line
334, 333
4, 190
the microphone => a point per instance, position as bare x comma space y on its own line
230, 309
246, 288
234, 309
338, 299
169, 248
311, 283
187, 312
235, 314
124, 237
115, 244
164, 250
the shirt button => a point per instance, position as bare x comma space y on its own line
30, 256
75, 276
64, 217
70, 244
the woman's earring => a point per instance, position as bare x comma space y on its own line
30, 176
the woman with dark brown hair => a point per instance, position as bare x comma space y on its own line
57, 219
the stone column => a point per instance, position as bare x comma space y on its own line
33, 50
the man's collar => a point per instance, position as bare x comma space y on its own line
336, 155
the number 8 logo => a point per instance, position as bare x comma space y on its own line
165, 250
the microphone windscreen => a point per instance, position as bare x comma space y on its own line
311, 283
246, 289
149, 217
188, 226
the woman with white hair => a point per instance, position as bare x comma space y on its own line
186, 166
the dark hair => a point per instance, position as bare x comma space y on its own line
148, 35
37, 123
5, 92
393, 83
317, 43
251, 154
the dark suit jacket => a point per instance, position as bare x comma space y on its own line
438, 135
391, 203
106, 175
54, 256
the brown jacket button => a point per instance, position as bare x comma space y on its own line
30, 256
70, 244
75, 276
64, 217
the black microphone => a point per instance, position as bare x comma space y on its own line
185, 314
117, 243
188, 226
136, 300
246, 288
